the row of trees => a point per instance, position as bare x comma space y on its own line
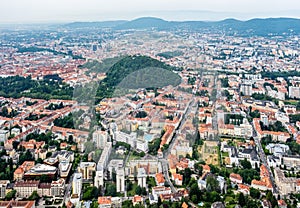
65, 122
277, 126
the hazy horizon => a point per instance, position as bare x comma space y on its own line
60, 11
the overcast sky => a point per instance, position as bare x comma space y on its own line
27, 11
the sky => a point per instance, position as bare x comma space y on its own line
43, 11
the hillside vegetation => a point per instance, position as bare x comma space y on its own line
129, 64
150, 77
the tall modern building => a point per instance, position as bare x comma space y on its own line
102, 164
120, 180
246, 88
87, 169
77, 184
100, 138
142, 177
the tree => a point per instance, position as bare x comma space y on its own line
241, 199
49, 154
45, 179
212, 196
194, 199
111, 190
272, 199
140, 191
127, 204
198, 168
254, 193
39, 160
11, 195
246, 164
90, 193
26, 157
70, 139
298, 105
212, 184
34, 196
187, 175
194, 189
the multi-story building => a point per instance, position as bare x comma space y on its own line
58, 187
25, 188
3, 188
142, 177
104, 202
39, 170
100, 138
158, 190
142, 144
286, 185
102, 164
87, 169
151, 166
44, 189
20, 171
291, 161
77, 184
246, 88
127, 138
120, 178
294, 92
235, 178
64, 168
4, 134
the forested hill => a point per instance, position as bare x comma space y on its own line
130, 64
259, 27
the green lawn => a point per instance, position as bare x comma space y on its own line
225, 154
151, 182
132, 191
133, 157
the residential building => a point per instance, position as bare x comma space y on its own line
104, 202
25, 188
235, 178
58, 187
100, 138
77, 184
87, 169
3, 188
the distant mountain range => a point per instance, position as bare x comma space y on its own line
250, 27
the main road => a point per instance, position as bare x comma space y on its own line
164, 161
263, 158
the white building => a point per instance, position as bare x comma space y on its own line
58, 187
100, 138
127, 138
4, 134
277, 149
120, 177
77, 184
102, 164
158, 190
142, 177
294, 92
142, 144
